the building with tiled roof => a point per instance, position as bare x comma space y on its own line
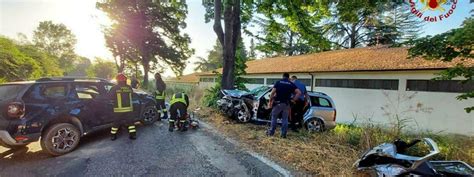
363, 80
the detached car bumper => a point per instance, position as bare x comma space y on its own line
7, 139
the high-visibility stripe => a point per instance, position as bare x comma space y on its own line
113, 128
113, 132
131, 127
126, 109
164, 110
182, 121
132, 131
160, 96
176, 100
171, 120
119, 100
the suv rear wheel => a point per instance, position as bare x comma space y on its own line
149, 115
315, 125
60, 139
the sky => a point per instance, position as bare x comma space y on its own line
86, 22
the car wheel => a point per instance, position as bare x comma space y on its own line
60, 139
149, 115
242, 116
315, 125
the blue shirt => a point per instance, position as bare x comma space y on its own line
302, 88
284, 88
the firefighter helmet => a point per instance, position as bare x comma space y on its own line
121, 77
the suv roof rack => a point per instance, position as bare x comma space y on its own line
71, 79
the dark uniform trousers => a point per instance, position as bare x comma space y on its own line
178, 112
160, 103
123, 110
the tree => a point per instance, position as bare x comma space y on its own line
57, 40
148, 31
14, 65
102, 69
48, 64
289, 27
229, 12
448, 46
252, 50
360, 23
80, 66
213, 60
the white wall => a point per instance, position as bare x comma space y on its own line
446, 114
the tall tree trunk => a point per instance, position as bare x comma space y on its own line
228, 39
146, 69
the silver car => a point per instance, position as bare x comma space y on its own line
244, 106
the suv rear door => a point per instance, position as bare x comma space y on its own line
46, 101
324, 107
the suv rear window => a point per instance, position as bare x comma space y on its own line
320, 102
9, 91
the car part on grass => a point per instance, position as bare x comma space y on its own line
387, 159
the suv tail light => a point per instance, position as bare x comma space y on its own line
15, 110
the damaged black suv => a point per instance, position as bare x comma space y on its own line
59, 111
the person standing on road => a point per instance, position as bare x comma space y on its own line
121, 95
280, 99
160, 95
135, 83
298, 107
178, 110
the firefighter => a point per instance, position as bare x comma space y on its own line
121, 94
160, 95
178, 110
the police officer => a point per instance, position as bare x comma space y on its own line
178, 110
160, 95
298, 107
121, 95
280, 99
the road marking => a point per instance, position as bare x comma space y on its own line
263, 159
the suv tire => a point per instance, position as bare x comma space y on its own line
60, 139
149, 115
314, 125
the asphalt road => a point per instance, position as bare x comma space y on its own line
156, 152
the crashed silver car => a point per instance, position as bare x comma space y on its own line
249, 106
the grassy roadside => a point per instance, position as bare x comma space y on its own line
330, 153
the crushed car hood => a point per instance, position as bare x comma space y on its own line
235, 93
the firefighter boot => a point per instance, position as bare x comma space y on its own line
113, 132
171, 128
165, 114
133, 135
132, 132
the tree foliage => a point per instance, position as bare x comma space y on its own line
213, 60
57, 40
48, 63
457, 43
102, 69
289, 27
148, 31
15, 65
